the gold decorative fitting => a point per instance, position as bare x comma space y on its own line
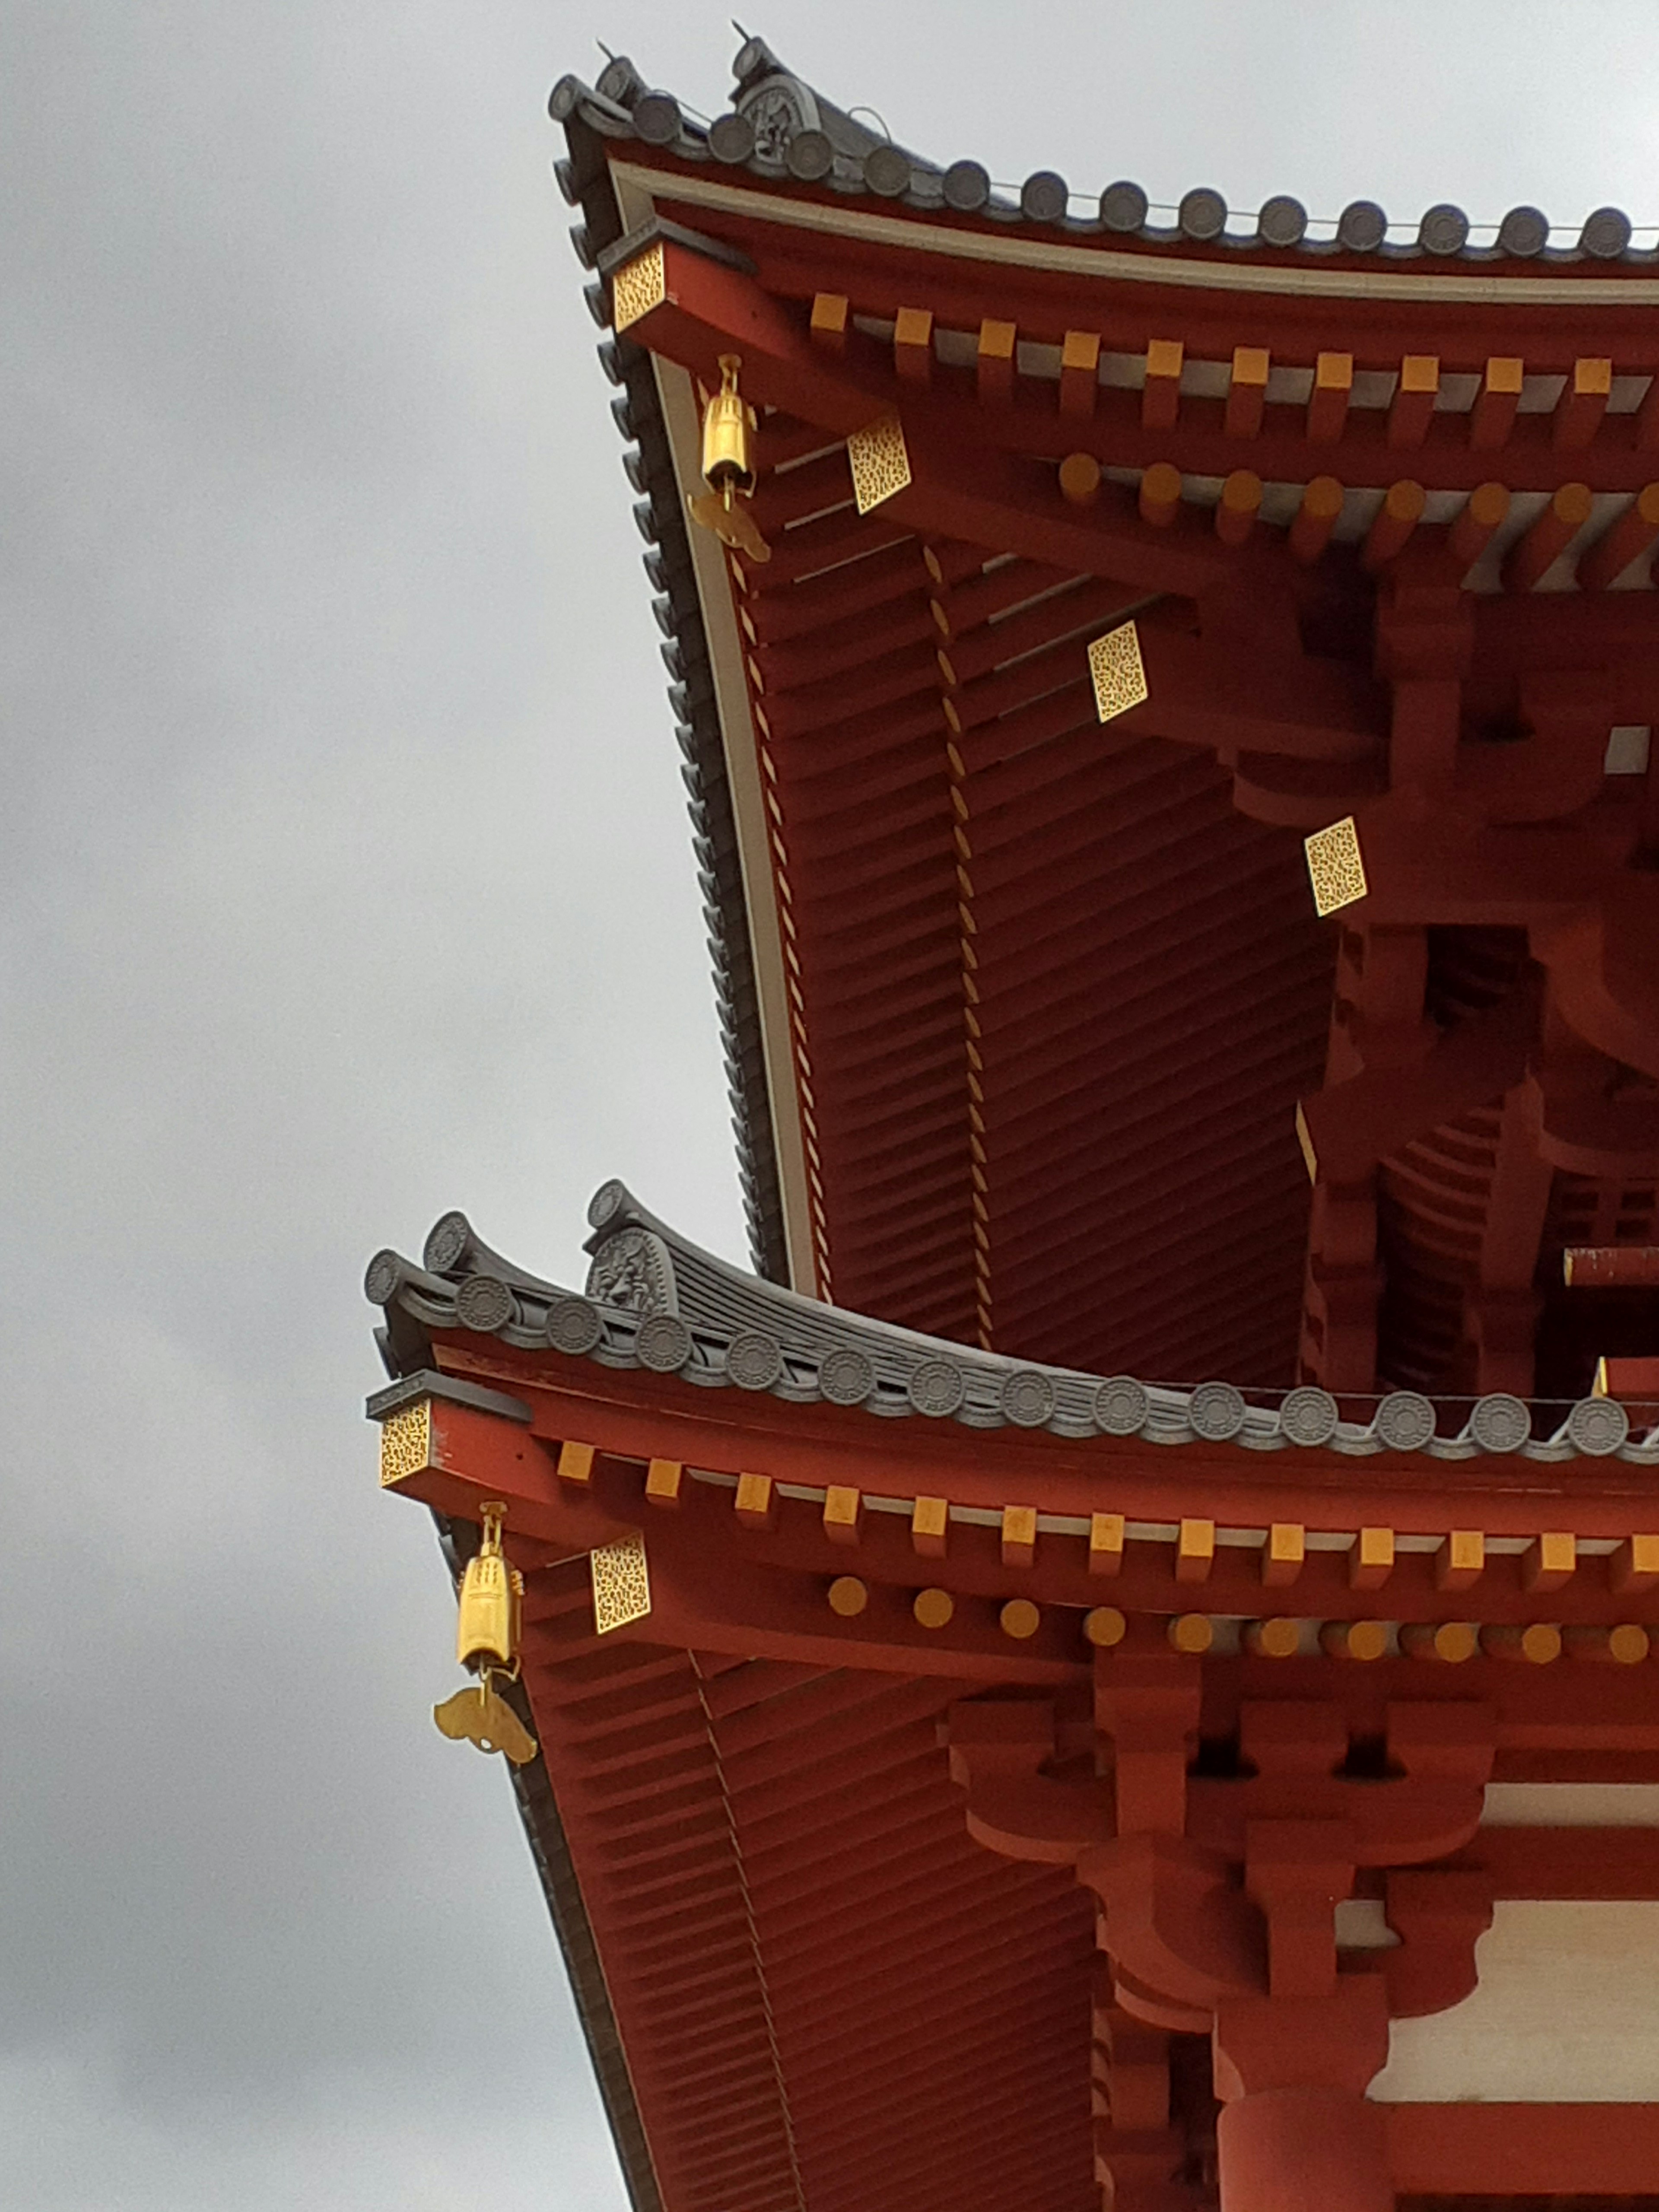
487, 1632
1335, 867
880, 464
637, 287
486, 1626
621, 1583
406, 1442
728, 469
1119, 678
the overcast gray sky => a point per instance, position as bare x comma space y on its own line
346, 878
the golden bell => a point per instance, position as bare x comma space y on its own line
485, 1629
727, 422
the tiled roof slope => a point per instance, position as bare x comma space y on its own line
782, 129
656, 1301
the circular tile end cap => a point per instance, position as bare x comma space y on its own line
574, 1326
1524, 232
1308, 1415
887, 171
1606, 234
1216, 1412
810, 156
1043, 197
967, 186
754, 1359
1027, 1399
1122, 1405
1123, 206
607, 1201
1283, 221
657, 118
1500, 1422
484, 1302
662, 1343
731, 138
1405, 1420
445, 1243
1597, 1426
381, 1278
845, 1376
1203, 215
936, 1388
1362, 226
1444, 229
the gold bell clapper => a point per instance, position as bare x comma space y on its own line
728, 425
487, 1632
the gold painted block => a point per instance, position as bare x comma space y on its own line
880, 462
1335, 869
621, 1583
637, 287
1117, 672
406, 1442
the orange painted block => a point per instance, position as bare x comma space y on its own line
1461, 1560
930, 1523
576, 1462
913, 344
1160, 402
1105, 1543
997, 342
663, 1478
1195, 1551
1019, 1535
1371, 1560
1247, 392
1238, 507
754, 1501
1327, 404
1635, 1565
1286, 1550
1079, 373
843, 1508
1551, 1562
830, 319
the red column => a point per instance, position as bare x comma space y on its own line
1303, 2150
1295, 2133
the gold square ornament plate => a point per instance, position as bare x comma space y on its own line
1117, 672
1335, 869
880, 462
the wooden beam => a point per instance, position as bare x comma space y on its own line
1322, 505
1522, 2150
912, 344
1583, 403
995, 361
1548, 538
1328, 404
1492, 416
1079, 373
1238, 506
1628, 539
1396, 518
1160, 400
829, 321
1246, 391
1412, 407
1483, 512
